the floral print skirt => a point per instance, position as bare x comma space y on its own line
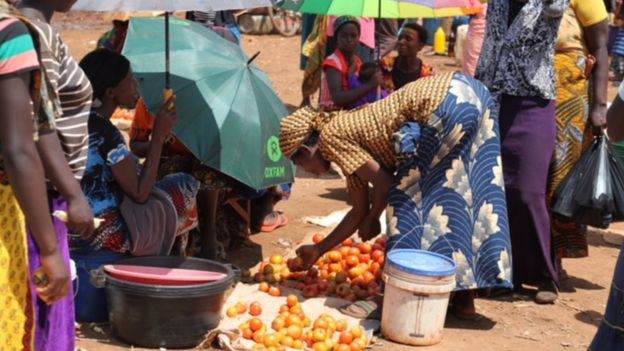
448, 195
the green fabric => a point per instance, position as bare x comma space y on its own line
369, 8
228, 113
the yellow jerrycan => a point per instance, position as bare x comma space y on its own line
439, 42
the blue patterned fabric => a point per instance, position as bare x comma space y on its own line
610, 334
448, 196
406, 139
618, 44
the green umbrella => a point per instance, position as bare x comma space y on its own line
228, 113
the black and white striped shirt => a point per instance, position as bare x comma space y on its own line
75, 94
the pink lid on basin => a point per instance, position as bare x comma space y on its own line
161, 275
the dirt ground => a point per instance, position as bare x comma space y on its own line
509, 324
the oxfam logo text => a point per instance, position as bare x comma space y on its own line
273, 149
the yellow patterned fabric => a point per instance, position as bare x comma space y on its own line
16, 310
314, 50
350, 139
573, 137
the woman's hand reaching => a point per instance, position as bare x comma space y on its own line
369, 228
309, 254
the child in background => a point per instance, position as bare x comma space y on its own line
367, 72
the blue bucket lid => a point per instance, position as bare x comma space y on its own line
421, 262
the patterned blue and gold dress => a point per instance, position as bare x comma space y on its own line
439, 137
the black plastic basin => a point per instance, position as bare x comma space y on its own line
166, 316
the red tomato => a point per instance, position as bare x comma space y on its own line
354, 251
317, 238
365, 248
376, 255
364, 258
352, 260
334, 256
347, 242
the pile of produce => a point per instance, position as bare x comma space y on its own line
122, 113
351, 271
291, 328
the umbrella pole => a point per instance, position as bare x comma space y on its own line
377, 36
377, 47
167, 60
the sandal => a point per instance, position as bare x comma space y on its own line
280, 221
363, 309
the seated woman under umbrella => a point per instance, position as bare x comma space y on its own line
140, 215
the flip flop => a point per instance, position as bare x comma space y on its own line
363, 309
283, 221
280, 221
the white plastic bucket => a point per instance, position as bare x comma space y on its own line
418, 285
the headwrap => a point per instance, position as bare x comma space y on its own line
342, 20
297, 128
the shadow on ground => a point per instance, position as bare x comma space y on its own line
247, 255
340, 194
482, 323
572, 284
590, 317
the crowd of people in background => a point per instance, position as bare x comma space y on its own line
497, 138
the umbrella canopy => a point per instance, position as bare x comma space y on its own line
167, 5
384, 8
228, 113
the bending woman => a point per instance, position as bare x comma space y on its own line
141, 216
432, 153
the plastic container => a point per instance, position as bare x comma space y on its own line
160, 275
90, 300
431, 25
418, 285
439, 42
156, 316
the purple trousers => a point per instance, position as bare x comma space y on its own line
528, 134
54, 325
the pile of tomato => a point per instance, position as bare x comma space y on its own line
351, 271
292, 328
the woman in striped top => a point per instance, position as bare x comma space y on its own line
64, 155
22, 187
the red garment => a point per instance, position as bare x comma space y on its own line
142, 126
336, 61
